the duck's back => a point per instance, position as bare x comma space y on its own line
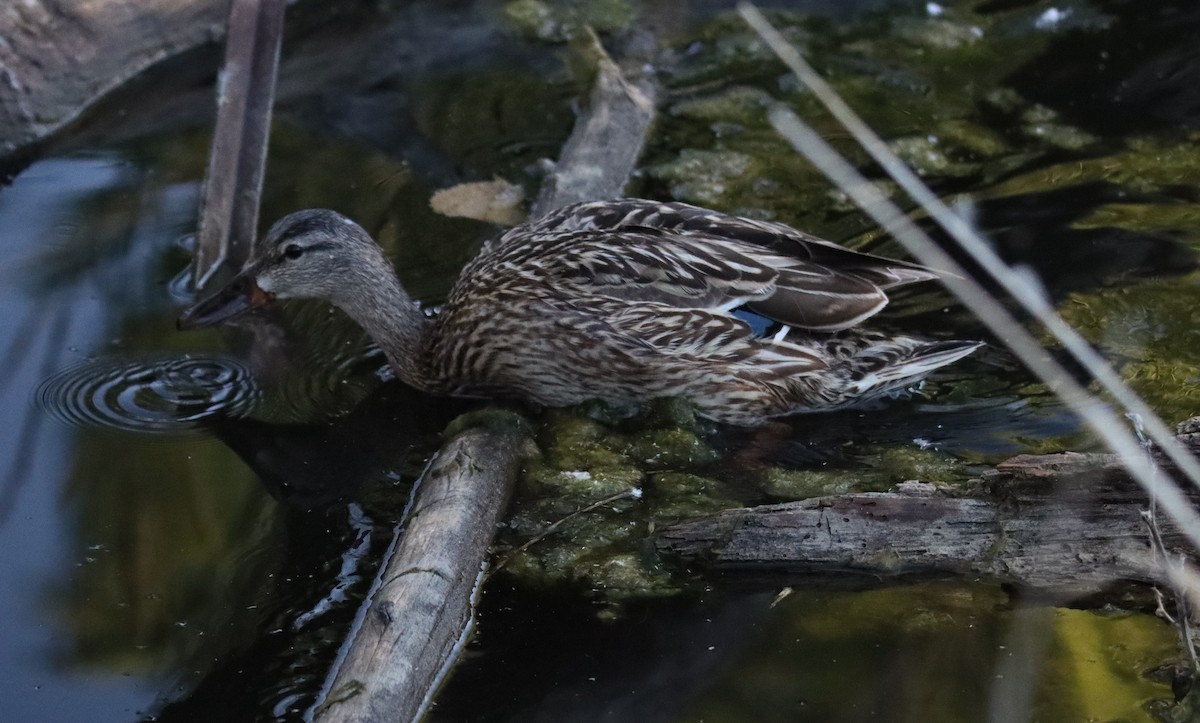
627, 300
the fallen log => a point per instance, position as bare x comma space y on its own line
1062, 524
420, 611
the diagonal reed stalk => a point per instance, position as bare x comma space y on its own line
1021, 284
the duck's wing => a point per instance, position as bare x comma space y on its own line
695, 271
712, 336
686, 220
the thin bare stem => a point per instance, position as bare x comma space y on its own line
633, 492
1182, 619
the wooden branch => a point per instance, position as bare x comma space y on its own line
58, 58
421, 610
598, 158
1062, 523
238, 158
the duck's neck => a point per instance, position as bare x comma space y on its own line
390, 316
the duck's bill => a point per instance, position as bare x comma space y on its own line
237, 297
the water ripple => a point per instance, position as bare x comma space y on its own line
156, 396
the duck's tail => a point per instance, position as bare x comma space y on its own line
893, 364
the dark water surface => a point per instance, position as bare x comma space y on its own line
190, 519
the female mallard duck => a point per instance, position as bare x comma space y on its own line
623, 301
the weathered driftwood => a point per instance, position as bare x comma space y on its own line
57, 58
418, 617
421, 609
1066, 523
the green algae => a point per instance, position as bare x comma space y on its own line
901, 464
587, 507
931, 84
738, 105
582, 481
1082, 665
584, 507
670, 448
599, 552
1152, 332
679, 495
785, 484
704, 177
556, 22
928, 156
884, 469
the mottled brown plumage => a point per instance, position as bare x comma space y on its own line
623, 301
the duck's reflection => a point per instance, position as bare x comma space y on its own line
387, 436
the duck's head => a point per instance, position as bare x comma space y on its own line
315, 253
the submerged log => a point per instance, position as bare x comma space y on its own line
420, 611
1060, 523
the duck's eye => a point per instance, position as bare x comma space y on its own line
293, 251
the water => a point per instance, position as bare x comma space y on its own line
46, 325
170, 395
190, 518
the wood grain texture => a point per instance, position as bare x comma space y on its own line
238, 156
422, 607
1066, 523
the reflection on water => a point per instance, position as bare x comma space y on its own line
923, 653
171, 395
